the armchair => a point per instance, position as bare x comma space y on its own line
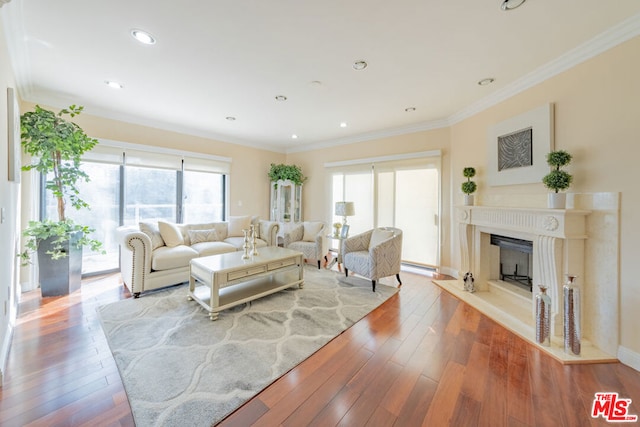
308, 238
374, 254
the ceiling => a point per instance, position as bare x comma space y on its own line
215, 59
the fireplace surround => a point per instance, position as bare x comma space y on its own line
561, 246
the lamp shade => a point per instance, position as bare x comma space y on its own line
345, 209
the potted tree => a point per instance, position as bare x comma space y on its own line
557, 179
469, 187
56, 146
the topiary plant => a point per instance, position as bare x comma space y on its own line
558, 179
469, 187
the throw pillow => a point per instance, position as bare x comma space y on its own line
378, 236
171, 234
199, 236
237, 224
311, 230
152, 230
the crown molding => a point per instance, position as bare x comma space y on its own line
610, 38
15, 35
368, 136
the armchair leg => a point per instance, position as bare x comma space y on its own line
399, 281
346, 272
373, 284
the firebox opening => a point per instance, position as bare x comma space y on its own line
515, 260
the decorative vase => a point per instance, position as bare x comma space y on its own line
572, 331
468, 199
557, 200
543, 317
245, 246
254, 243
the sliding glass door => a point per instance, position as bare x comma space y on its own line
402, 193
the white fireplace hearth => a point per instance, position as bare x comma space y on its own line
561, 246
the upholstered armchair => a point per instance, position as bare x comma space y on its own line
373, 254
308, 238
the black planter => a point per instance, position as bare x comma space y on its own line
60, 276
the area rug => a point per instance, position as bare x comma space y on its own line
179, 368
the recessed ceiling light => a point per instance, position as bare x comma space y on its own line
112, 84
294, 136
230, 118
281, 98
143, 37
486, 81
343, 125
410, 109
360, 65
511, 4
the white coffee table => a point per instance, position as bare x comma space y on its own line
218, 282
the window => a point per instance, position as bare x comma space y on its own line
129, 185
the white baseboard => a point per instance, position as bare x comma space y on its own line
4, 352
449, 271
629, 357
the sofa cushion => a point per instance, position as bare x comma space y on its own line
237, 242
166, 258
213, 248
171, 233
378, 236
151, 229
311, 230
199, 236
237, 224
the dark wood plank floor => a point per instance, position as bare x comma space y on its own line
422, 358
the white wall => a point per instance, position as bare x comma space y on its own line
10, 226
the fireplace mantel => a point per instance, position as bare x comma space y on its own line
558, 223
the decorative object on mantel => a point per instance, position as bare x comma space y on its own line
557, 179
543, 317
572, 330
516, 147
469, 282
469, 187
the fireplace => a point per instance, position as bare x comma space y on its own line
556, 241
515, 260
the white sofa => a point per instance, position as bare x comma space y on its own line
156, 254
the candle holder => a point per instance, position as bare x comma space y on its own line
254, 243
245, 246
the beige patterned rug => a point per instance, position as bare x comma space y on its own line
181, 369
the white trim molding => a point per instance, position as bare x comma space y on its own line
629, 357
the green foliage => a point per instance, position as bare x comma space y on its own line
57, 146
38, 231
286, 172
469, 187
558, 158
469, 172
558, 179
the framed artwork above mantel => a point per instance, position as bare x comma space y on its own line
517, 147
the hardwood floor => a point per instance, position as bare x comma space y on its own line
422, 358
